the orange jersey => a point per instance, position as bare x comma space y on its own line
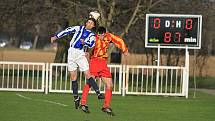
101, 46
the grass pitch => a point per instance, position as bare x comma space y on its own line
25, 106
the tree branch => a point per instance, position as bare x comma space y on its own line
110, 15
131, 19
102, 20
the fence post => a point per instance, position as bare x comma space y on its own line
47, 78
158, 68
123, 79
187, 71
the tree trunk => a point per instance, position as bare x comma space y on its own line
37, 27
35, 41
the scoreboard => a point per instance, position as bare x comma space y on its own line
173, 31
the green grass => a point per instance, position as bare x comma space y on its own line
128, 108
203, 82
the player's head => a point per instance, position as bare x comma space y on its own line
101, 32
91, 23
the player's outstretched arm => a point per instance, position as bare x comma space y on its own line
119, 43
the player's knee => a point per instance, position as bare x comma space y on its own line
87, 74
73, 75
73, 78
109, 86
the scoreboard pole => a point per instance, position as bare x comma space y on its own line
187, 63
158, 72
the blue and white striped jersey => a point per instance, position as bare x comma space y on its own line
80, 32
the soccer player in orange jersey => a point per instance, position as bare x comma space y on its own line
98, 66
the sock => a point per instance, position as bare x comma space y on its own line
85, 94
93, 84
108, 96
75, 88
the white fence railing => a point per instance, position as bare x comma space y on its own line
21, 76
127, 79
153, 80
59, 80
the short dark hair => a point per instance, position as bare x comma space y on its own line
92, 19
101, 30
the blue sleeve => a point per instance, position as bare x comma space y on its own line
67, 31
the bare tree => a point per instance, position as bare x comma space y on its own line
132, 14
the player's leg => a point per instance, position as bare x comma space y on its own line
107, 79
83, 102
73, 77
84, 66
85, 92
86, 88
108, 91
108, 96
95, 69
72, 68
91, 81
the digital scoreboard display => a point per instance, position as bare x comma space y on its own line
173, 31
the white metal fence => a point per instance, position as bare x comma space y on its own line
127, 79
59, 80
21, 76
153, 80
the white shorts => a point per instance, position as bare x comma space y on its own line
76, 58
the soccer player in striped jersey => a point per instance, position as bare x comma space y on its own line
98, 65
83, 36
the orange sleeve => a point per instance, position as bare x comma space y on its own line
118, 42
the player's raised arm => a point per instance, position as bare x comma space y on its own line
67, 31
119, 43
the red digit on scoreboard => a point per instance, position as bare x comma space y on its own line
189, 24
156, 23
167, 37
178, 36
